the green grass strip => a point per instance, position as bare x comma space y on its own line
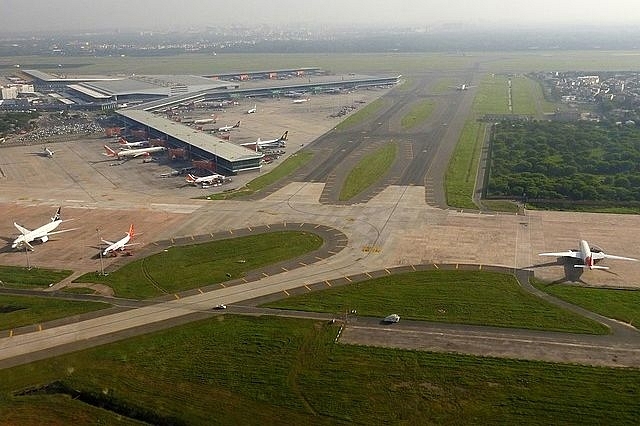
250, 370
188, 267
18, 311
369, 170
418, 114
361, 115
288, 166
460, 178
17, 276
621, 304
468, 297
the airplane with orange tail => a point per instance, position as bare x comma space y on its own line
121, 244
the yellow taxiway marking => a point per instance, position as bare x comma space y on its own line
176, 296
249, 228
155, 244
284, 269
211, 234
479, 267
201, 292
230, 231
245, 280
10, 333
302, 224
268, 227
368, 274
307, 287
222, 285
456, 266
39, 327
193, 238
265, 274
348, 279
172, 241
316, 227
387, 271
331, 252
286, 292
302, 264
413, 267
284, 224
435, 266
327, 283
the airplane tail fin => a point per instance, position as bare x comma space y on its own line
57, 215
122, 141
284, 136
110, 152
131, 231
190, 178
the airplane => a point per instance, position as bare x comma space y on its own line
228, 128
124, 144
42, 233
463, 86
300, 101
206, 181
121, 244
206, 120
272, 143
133, 153
47, 152
588, 257
253, 110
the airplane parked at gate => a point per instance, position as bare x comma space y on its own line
124, 144
121, 244
253, 110
132, 153
588, 256
271, 143
206, 181
228, 128
42, 233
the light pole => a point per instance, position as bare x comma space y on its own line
26, 252
100, 251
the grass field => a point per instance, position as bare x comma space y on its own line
369, 170
248, 370
418, 114
19, 277
623, 305
18, 311
460, 178
288, 166
187, 267
468, 297
361, 115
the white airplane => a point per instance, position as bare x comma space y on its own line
281, 142
42, 233
463, 86
206, 181
47, 152
253, 110
588, 257
206, 120
124, 144
121, 244
300, 101
132, 153
228, 128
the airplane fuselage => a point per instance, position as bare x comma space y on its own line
40, 233
585, 254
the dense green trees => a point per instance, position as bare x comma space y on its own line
565, 161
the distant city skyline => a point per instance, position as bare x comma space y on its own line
26, 16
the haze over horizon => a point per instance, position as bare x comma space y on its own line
23, 16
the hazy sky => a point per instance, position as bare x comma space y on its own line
38, 15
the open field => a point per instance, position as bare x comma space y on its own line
15, 276
418, 114
621, 304
484, 298
187, 267
260, 370
460, 179
368, 170
18, 311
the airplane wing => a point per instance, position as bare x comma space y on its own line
601, 255
22, 229
108, 242
60, 232
146, 154
570, 253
